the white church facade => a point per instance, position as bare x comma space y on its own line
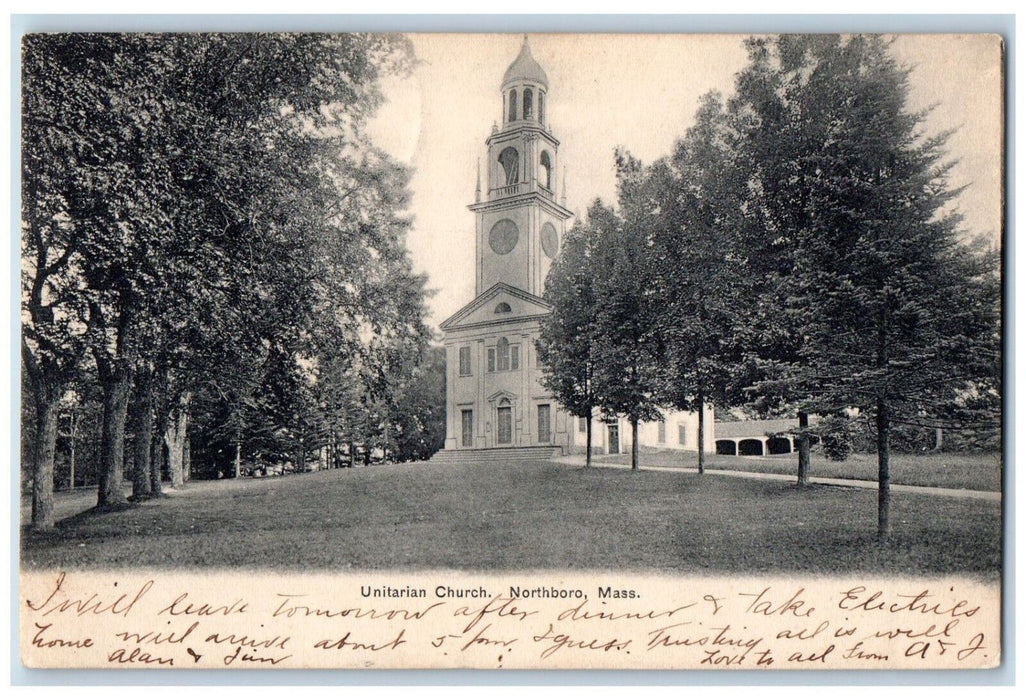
494, 396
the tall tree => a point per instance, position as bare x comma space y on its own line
690, 202
55, 96
205, 171
626, 352
896, 312
566, 343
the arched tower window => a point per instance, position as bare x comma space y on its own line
528, 103
546, 170
541, 107
502, 350
503, 308
510, 161
512, 105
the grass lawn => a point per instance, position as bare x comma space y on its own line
979, 472
527, 516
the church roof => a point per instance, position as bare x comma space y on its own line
756, 428
525, 306
524, 67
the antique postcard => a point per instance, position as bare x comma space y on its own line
518, 351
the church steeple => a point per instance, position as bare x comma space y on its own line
520, 223
524, 89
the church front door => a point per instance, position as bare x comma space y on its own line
505, 433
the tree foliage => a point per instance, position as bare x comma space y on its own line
896, 314
568, 337
207, 210
800, 251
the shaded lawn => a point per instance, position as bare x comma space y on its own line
979, 472
528, 516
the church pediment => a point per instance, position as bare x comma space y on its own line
499, 304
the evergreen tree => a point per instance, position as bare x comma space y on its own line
896, 313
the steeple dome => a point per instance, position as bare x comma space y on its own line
525, 68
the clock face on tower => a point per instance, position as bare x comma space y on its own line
503, 236
549, 240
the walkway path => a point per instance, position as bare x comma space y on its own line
579, 461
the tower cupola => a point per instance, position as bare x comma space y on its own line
524, 88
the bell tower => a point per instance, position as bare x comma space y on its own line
520, 225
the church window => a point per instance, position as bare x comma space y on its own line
541, 107
465, 361
662, 432
503, 308
582, 425
502, 350
528, 103
546, 170
682, 434
512, 105
510, 161
491, 359
514, 357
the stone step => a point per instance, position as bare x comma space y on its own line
496, 454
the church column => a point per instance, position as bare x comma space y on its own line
450, 397
480, 408
479, 255
530, 417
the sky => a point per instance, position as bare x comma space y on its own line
639, 92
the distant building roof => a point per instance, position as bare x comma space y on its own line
755, 428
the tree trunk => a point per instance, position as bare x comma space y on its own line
47, 404
238, 459
587, 460
174, 438
187, 459
142, 426
701, 432
300, 456
883, 453
634, 444
158, 462
803, 448
116, 388
938, 439
352, 455
71, 451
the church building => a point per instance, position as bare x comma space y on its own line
494, 397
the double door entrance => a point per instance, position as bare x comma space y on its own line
504, 423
